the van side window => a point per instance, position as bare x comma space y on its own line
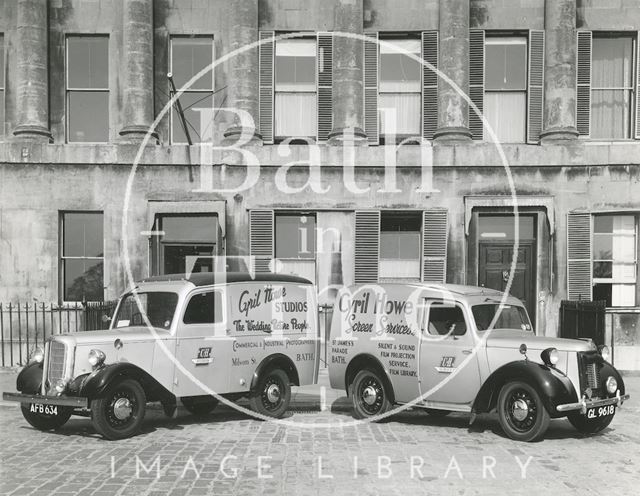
204, 308
446, 320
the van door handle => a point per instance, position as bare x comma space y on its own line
467, 352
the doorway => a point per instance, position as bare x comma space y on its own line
496, 236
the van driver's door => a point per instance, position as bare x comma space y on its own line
447, 362
202, 345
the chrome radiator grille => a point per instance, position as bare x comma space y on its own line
592, 372
57, 361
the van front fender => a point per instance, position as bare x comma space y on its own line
553, 387
29, 379
99, 380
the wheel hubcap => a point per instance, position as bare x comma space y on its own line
520, 409
122, 408
273, 393
369, 395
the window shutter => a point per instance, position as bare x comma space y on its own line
583, 86
266, 63
579, 256
535, 85
261, 239
637, 86
476, 81
325, 85
371, 89
429, 84
367, 246
435, 233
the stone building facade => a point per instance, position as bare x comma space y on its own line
86, 94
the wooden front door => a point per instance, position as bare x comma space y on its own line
495, 265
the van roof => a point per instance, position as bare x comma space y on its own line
459, 289
208, 278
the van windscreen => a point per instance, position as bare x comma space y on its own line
159, 308
510, 317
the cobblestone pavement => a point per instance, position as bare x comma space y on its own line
230, 453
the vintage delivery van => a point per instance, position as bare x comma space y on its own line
461, 348
174, 337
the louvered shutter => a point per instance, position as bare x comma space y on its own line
476, 81
371, 89
583, 86
637, 96
265, 78
579, 264
367, 246
325, 85
429, 84
261, 239
435, 233
535, 85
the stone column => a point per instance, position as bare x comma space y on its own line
138, 69
453, 110
348, 85
560, 71
32, 74
242, 69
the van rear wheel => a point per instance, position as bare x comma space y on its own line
272, 394
369, 394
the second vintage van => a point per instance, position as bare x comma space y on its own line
466, 349
172, 337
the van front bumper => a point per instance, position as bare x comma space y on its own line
73, 401
584, 404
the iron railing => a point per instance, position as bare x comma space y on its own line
23, 326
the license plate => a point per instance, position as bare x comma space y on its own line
44, 409
601, 411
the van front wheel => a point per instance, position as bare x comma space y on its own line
272, 394
119, 413
369, 395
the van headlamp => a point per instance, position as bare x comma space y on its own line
37, 356
550, 357
96, 358
604, 352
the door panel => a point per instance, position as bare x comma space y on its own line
495, 266
446, 342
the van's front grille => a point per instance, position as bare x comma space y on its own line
57, 362
590, 364
593, 375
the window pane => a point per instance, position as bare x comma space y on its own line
188, 258
88, 116
610, 114
190, 228
295, 65
204, 308
400, 113
188, 57
2, 62
612, 62
198, 113
295, 114
295, 236
443, 321
398, 71
603, 247
623, 295
2, 122
506, 113
403, 245
503, 227
506, 64
159, 308
83, 280
602, 270
88, 62
603, 224
83, 234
